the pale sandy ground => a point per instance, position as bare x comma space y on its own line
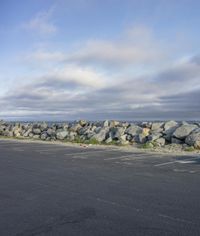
167, 149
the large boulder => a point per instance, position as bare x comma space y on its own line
160, 142
184, 130
116, 133
193, 139
44, 136
106, 123
170, 125
157, 126
61, 134
75, 127
154, 136
169, 128
114, 123
43, 126
82, 123
36, 131
101, 135
133, 130
51, 132
140, 138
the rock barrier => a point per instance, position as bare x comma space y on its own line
108, 132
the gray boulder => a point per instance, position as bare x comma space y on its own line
26, 134
36, 131
61, 134
106, 123
116, 133
140, 138
101, 135
169, 125
43, 126
133, 130
193, 139
109, 140
169, 129
160, 142
157, 126
184, 130
44, 136
51, 132
154, 136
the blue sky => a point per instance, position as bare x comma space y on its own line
63, 60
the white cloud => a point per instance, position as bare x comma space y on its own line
42, 56
135, 47
41, 23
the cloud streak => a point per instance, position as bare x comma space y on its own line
41, 23
75, 92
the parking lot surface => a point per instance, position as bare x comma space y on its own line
63, 190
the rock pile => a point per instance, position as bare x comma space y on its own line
109, 132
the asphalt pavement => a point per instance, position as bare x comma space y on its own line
63, 190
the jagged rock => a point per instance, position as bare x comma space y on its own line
44, 136
157, 126
51, 132
72, 135
184, 130
106, 123
169, 129
2, 128
36, 136
146, 124
43, 126
170, 125
114, 123
140, 138
109, 140
8, 133
116, 133
145, 131
133, 130
26, 134
30, 135
101, 135
90, 134
36, 131
160, 142
82, 122
193, 139
123, 138
154, 136
61, 134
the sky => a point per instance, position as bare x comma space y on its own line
99, 59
